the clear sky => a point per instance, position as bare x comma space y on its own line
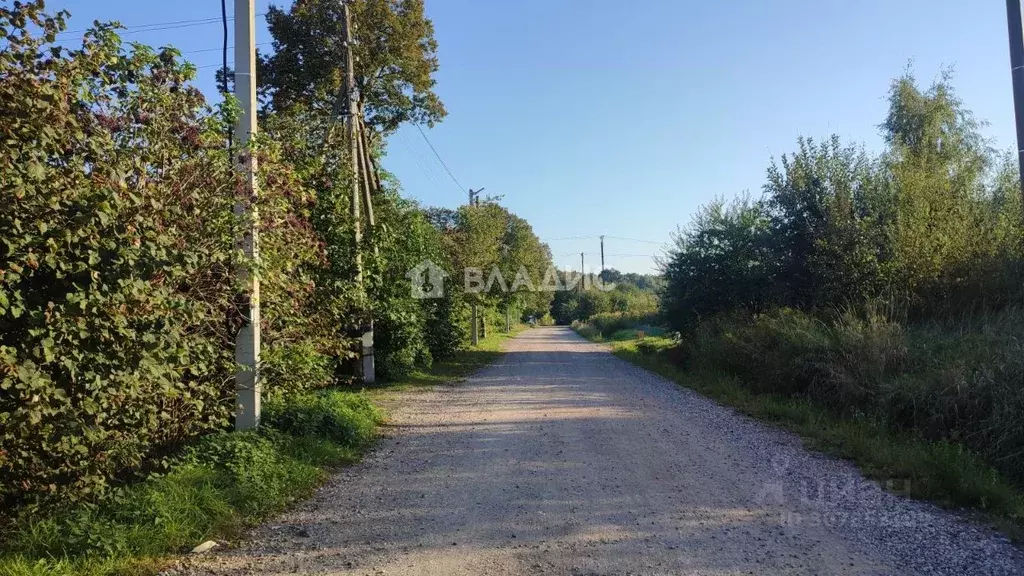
620, 118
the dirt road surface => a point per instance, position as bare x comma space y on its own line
562, 459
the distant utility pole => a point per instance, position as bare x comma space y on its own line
1013, 21
583, 274
247, 342
602, 254
474, 200
358, 155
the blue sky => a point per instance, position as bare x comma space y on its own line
597, 117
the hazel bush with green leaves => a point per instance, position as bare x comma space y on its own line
118, 292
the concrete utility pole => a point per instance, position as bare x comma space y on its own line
602, 253
247, 342
1013, 21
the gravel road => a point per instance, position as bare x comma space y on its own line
562, 459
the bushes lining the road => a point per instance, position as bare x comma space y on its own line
118, 306
218, 485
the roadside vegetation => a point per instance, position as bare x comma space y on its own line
119, 298
464, 362
214, 488
611, 306
872, 303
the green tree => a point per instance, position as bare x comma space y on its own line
395, 54
828, 210
937, 161
721, 262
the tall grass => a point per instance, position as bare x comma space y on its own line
956, 380
618, 325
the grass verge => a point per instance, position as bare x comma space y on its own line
214, 489
942, 472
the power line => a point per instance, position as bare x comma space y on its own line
567, 254
439, 159
635, 240
217, 49
420, 160
608, 236
157, 26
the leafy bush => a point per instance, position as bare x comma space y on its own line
922, 245
656, 345
931, 226
290, 368
587, 331
344, 417
117, 273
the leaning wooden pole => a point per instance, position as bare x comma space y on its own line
368, 180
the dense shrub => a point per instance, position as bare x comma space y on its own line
920, 245
344, 417
610, 293
117, 272
119, 293
840, 363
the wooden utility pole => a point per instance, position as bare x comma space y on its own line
247, 341
1013, 21
583, 274
356, 152
348, 84
602, 253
